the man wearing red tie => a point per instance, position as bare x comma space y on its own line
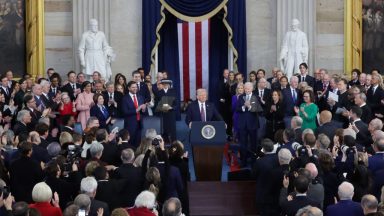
133, 106
201, 109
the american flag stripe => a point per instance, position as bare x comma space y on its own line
193, 40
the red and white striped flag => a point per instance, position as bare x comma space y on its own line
193, 39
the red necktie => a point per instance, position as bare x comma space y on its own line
136, 106
202, 113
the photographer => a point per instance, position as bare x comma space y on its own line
345, 155
305, 153
6, 200
66, 187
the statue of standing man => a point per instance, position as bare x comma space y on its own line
95, 53
294, 50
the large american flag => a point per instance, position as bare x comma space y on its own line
193, 39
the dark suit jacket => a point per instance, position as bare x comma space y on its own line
6, 96
134, 185
374, 100
20, 127
266, 96
40, 154
24, 174
309, 79
260, 172
68, 88
193, 112
95, 111
345, 207
367, 114
36, 115
111, 153
376, 162
113, 111
144, 92
129, 112
109, 191
328, 129
248, 119
298, 135
66, 129
48, 101
362, 136
289, 103
298, 202
52, 94
95, 205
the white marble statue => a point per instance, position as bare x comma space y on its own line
294, 50
95, 53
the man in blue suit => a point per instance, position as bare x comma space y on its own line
201, 109
291, 98
248, 106
133, 106
345, 206
376, 161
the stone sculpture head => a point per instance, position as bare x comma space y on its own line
93, 25
295, 24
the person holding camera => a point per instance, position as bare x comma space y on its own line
66, 187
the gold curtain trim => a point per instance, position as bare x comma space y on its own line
158, 39
35, 49
230, 36
352, 36
190, 18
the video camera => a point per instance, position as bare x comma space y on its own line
73, 156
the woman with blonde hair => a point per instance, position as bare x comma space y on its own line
235, 115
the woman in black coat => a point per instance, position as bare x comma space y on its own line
274, 114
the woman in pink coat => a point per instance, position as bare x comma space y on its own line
84, 102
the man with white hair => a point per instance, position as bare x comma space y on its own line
375, 124
145, 204
296, 123
291, 98
345, 206
88, 186
276, 177
248, 107
134, 174
23, 119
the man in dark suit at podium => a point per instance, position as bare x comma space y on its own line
248, 106
201, 109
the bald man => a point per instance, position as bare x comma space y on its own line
345, 205
327, 126
369, 204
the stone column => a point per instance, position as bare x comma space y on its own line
305, 12
83, 11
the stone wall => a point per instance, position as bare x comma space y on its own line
125, 35
330, 35
58, 35
261, 35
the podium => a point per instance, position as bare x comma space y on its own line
207, 140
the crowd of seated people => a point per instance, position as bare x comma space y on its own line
319, 150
